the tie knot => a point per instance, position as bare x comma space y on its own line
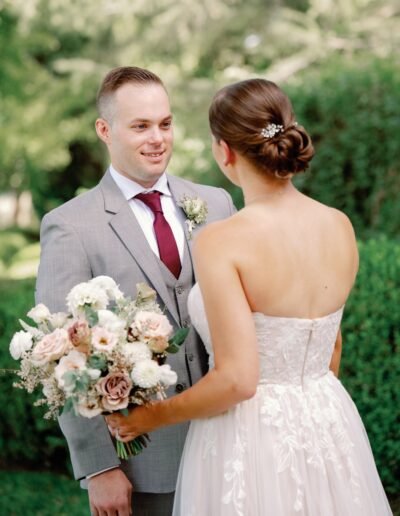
152, 200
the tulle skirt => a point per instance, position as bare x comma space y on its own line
289, 450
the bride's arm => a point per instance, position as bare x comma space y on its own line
235, 375
336, 355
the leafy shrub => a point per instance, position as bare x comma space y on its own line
352, 112
25, 437
371, 353
370, 367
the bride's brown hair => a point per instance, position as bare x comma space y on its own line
239, 113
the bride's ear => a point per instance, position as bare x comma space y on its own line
229, 155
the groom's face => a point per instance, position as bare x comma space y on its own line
139, 133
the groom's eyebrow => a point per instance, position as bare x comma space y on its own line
167, 118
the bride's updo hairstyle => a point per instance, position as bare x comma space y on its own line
256, 118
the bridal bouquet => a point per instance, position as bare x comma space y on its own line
106, 354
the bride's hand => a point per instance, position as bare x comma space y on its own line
137, 422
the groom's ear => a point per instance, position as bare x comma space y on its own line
103, 130
229, 157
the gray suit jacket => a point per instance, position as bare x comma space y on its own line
98, 234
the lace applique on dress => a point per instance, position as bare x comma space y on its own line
234, 473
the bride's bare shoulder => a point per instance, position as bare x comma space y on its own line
220, 234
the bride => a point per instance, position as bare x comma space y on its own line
273, 430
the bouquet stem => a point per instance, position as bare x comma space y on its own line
132, 448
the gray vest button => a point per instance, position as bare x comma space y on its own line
180, 387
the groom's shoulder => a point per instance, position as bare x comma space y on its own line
209, 193
219, 202
86, 204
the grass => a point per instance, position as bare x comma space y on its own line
25, 493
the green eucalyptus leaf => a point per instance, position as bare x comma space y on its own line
91, 316
97, 362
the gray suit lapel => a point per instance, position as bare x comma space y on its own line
127, 228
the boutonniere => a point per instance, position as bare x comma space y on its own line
195, 210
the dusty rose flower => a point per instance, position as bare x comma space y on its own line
103, 340
80, 336
51, 347
115, 389
150, 325
157, 344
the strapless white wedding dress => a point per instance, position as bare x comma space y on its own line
298, 447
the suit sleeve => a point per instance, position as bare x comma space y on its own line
231, 207
63, 264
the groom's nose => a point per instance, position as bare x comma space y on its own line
155, 135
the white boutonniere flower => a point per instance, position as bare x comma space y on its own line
195, 210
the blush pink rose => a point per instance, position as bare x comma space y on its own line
51, 347
115, 389
151, 325
79, 335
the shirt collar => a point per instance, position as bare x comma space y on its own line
130, 188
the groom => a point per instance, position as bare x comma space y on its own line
131, 228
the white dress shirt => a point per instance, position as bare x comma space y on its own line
145, 216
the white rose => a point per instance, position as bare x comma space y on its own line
136, 351
111, 322
108, 285
167, 375
103, 340
151, 324
71, 362
52, 347
21, 342
86, 294
89, 407
40, 313
146, 374
58, 320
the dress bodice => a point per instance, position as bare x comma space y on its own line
292, 350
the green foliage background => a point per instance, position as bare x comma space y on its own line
339, 63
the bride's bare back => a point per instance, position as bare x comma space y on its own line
295, 256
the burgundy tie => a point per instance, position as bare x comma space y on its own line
167, 247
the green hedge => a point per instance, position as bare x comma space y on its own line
370, 367
26, 439
352, 111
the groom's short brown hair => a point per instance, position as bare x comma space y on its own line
118, 77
